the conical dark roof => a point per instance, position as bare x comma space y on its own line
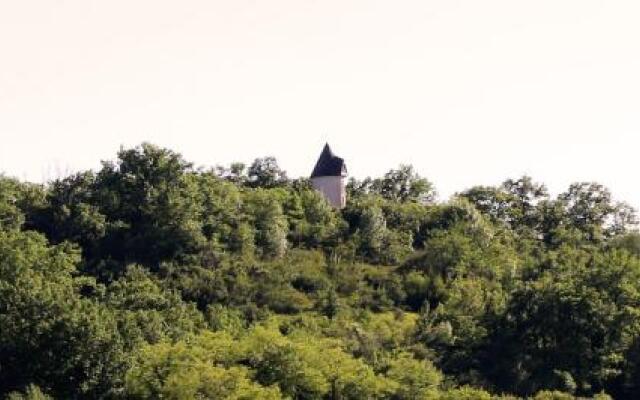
329, 164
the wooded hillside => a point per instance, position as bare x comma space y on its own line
149, 278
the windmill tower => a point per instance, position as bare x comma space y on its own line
329, 176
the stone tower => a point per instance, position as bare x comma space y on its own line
329, 176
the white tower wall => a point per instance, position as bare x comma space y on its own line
333, 188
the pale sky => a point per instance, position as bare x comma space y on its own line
469, 92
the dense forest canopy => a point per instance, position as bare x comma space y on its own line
150, 278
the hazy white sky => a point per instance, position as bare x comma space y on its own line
469, 92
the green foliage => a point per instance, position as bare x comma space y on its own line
265, 173
151, 205
552, 395
318, 224
150, 279
570, 328
31, 393
464, 393
270, 223
42, 313
271, 364
514, 203
416, 379
629, 242
10, 215
20, 203
198, 369
150, 311
398, 185
374, 240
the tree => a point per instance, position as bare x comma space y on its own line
236, 173
74, 213
591, 210
457, 328
570, 327
629, 242
265, 173
329, 304
373, 230
151, 206
225, 225
201, 369
11, 217
32, 392
417, 379
356, 188
21, 204
404, 184
51, 335
269, 221
514, 203
149, 311
319, 223
156, 280
306, 367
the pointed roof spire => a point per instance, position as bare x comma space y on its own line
329, 164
